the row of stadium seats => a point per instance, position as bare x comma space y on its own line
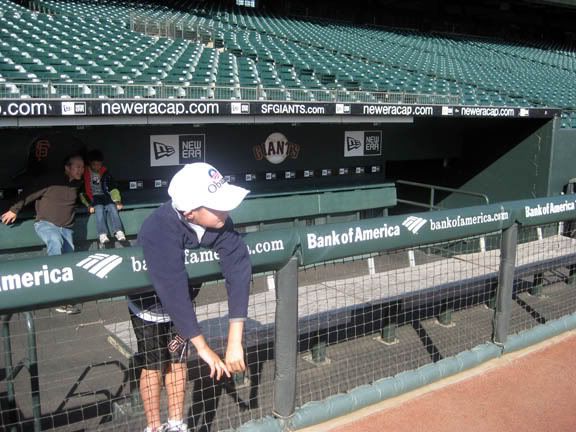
90, 43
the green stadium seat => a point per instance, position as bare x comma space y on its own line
252, 50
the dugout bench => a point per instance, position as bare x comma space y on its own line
257, 212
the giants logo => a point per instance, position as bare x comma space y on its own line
276, 149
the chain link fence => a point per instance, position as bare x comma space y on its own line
88, 364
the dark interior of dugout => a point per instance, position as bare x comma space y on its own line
505, 159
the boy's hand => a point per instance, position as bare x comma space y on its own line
91, 210
235, 358
217, 366
119, 206
8, 217
234, 351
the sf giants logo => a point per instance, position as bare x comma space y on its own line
41, 149
276, 149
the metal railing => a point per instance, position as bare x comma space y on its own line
94, 90
169, 28
431, 204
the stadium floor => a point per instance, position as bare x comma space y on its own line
530, 391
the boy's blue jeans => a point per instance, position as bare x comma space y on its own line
107, 213
58, 240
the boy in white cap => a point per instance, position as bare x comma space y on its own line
196, 216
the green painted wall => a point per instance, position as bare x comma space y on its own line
563, 162
522, 172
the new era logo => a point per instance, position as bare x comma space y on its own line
100, 264
239, 108
73, 108
162, 150
413, 224
447, 111
352, 143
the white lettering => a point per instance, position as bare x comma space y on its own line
549, 208
67, 275
55, 275
136, 265
10, 282
311, 239
27, 280
43, 276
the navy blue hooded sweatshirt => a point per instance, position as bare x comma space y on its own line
164, 237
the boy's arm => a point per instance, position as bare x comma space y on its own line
237, 270
165, 262
234, 350
84, 199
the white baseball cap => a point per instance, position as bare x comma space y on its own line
201, 185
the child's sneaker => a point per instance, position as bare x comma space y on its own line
174, 426
68, 309
120, 236
171, 426
103, 239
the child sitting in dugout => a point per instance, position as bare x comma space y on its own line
102, 197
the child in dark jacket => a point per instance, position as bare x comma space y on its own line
102, 198
165, 322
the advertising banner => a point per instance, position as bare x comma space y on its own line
49, 280
362, 143
545, 210
170, 150
188, 108
327, 242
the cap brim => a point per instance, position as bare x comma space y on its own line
227, 198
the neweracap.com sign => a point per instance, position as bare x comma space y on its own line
21, 108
